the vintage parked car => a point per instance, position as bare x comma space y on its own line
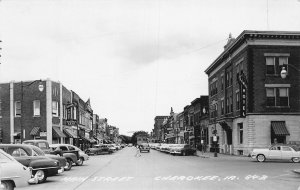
14, 174
70, 156
182, 149
144, 147
42, 166
99, 149
42, 144
82, 156
276, 152
68, 152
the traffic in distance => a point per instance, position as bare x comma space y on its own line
35, 161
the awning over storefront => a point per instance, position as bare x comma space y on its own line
88, 139
35, 131
70, 133
57, 133
279, 128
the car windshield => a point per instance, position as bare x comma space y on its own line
37, 152
4, 157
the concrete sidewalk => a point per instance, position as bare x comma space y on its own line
220, 156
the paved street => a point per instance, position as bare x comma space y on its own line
156, 170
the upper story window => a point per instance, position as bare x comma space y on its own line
222, 82
214, 88
275, 62
237, 98
222, 107
36, 108
283, 97
277, 96
0, 108
271, 96
18, 109
282, 62
270, 65
55, 108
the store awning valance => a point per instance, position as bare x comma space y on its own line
279, 128
88, 139
35, 131
57, 133
70, 133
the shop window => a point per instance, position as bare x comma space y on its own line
240, 131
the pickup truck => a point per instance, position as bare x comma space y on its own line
70, 156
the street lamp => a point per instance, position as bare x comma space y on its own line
41, 88
284, 72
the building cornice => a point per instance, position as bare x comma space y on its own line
257, 38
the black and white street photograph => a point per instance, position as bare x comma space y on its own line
149, 94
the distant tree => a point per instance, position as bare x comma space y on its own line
125, 139
133, 138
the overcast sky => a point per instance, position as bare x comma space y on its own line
134, 59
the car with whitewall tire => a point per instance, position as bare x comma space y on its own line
276, 152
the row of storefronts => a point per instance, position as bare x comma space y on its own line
44, 109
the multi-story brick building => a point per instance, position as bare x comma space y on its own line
158, 123
251, 105
40, 110
200, 120
31, 110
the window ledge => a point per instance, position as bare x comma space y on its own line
37, 116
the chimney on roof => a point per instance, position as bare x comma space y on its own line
229, 41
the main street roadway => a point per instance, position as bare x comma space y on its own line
157, 171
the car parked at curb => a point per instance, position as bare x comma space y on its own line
14, 174
83, 157
42, 166
182, 149
99, 149
70, 156
276, 152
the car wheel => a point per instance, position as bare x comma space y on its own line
296, 159
80, 162
183, 153
7, 185
88, 152
40, 175
260, 158
69, 164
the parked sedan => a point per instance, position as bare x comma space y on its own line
99, 149
42, 166
182, 149
83, 157
13, 174
276, 152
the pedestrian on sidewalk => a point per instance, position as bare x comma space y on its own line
138, 152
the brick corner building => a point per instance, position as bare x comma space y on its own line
251, 104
